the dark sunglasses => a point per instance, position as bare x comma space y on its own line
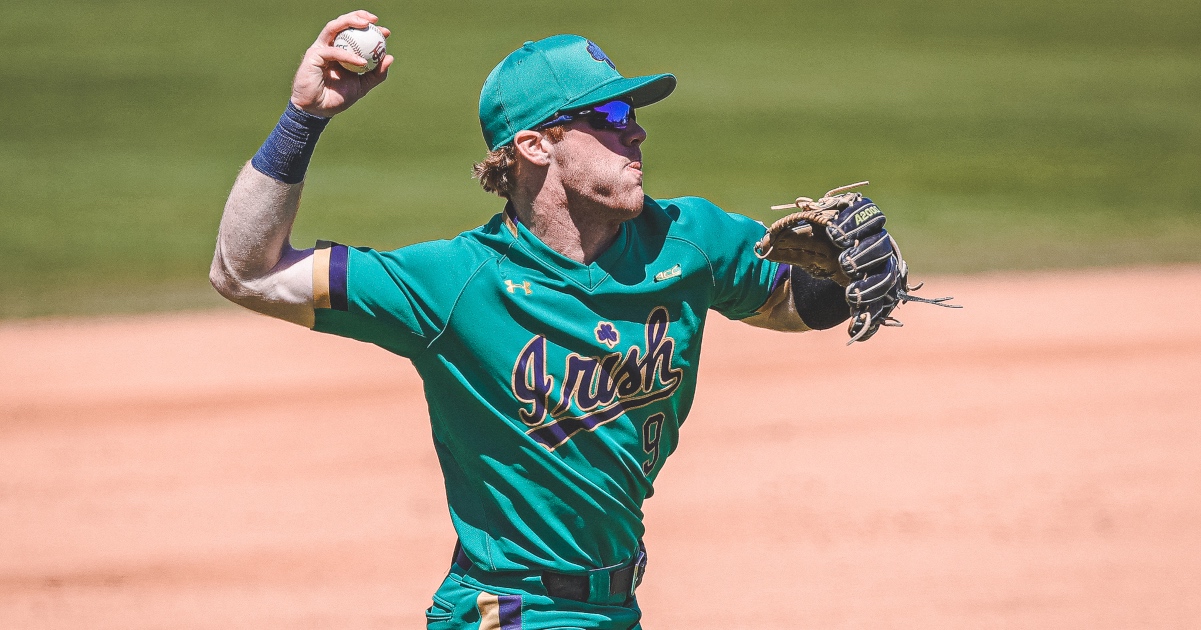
611, 116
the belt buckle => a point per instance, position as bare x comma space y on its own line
639, 568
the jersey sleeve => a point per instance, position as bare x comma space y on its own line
742, 282
399, 300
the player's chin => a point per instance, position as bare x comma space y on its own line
632, 200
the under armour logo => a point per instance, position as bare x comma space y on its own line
513, 286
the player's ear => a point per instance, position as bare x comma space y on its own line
533, 147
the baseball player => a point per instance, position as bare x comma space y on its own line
558, 343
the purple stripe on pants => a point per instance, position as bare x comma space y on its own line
510, 612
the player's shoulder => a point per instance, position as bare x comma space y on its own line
685, 208
445, 258
483, 242
698, 220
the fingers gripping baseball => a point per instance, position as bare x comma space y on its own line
323, 86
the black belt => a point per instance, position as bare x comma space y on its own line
579, 587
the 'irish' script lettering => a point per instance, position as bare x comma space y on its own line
594, 390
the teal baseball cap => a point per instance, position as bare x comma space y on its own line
555, 75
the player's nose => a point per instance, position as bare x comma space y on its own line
633, 136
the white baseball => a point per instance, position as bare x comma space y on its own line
367, 43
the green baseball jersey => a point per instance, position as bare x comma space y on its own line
556, 389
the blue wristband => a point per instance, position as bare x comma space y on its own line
286, 153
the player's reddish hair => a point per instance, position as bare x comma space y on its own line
497, 171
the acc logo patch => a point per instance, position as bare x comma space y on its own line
599, 54
668, 274
607, 334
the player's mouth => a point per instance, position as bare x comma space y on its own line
635, 165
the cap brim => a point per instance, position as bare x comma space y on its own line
641, 91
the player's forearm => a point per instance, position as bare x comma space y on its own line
779, 312
262, 205
255, 226
255, 264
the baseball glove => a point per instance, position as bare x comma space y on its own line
841, 237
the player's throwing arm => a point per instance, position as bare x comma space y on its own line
255, 264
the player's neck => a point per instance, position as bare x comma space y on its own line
574, 230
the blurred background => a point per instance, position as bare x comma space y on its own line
1030, 461
997, 135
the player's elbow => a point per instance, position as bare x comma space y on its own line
230, 287
285, 293
221, 284
225, 282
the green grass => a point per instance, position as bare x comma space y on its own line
997, 136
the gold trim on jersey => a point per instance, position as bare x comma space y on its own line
321, 274
509, 222
489, 607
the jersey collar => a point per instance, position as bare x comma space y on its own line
587, 276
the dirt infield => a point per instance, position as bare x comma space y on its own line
1032, 461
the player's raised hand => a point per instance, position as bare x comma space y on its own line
322, 86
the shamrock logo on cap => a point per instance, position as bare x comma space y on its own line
599, 54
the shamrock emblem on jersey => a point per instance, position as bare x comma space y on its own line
607, 334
